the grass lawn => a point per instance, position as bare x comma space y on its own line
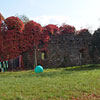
70, 83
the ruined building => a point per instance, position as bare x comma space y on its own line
68, 50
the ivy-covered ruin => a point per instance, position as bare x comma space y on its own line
55, 46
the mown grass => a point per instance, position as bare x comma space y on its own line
52, 84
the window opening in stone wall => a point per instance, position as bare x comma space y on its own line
43, 55
82, 53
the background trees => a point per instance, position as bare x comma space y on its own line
23, 17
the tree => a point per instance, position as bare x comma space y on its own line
1, 17
10, 29
95, 47
14, 23
23, 17
33, 32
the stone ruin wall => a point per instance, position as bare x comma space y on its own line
68, 50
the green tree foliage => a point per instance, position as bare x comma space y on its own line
23, 17
95, 46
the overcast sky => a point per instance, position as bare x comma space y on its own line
79, 13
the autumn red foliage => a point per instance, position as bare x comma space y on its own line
1, 17
34, 31
19, 38
10, 45
45, 37
30, 36
14, 23
64, 29
0, 27
83, 30
51, 29
48, 30
10, 31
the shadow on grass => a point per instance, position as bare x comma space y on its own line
51, 72
83, 67
68, 70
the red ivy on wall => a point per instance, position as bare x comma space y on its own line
34, 31
19, 38
11, 44
64, 29
45, 37
51, 29
10, 38
83, 30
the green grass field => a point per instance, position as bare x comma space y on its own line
70, 83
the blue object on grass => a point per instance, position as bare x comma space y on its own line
38, 69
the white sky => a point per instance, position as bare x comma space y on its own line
79, 13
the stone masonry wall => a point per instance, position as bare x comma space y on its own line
68, 50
